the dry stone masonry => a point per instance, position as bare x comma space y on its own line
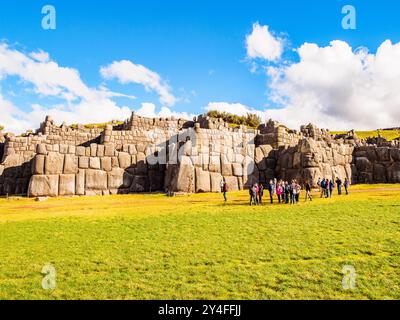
175, 155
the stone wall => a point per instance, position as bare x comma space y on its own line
2, 143
211, 156
373, 164
142, 155
313, 159
94, 170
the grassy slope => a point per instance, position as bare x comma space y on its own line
387, 134
142, 247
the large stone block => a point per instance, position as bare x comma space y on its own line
371, 154
43, 186
38, 164
226, 169
124, 159
54, 163
94, 163
379, 173
109, 150
80, 151
41, 149
67, 185
106, 164
140, 184
183, 180
100, 150
216, 181
237, 169
393, 173
232, 183
363, 164
383, 153
93, 150
395, 154
132, 149
80, 183
119, 179
312, 175
70, 164
259, 155
96, 180
266, 149
203, 183
297, 159
84, 162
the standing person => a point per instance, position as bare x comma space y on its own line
255, 191
319, 184
322, 187
225, 190
271, 190
292, 192
260, 193
346, 185
287, 192
308, 191
327, 187
339, 186
279, 192
252, 195
298, 188
331, 187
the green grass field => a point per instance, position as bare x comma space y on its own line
196, 247
387, 134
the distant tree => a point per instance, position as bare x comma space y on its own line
1, 127
250, 120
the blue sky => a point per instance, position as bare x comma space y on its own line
198, 48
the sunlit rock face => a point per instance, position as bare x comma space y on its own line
176, 155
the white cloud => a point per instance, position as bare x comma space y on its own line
11, 116
261, 43
79, 102
127, 72
336, 87
234, 108
46, 76
40, 56
149, 110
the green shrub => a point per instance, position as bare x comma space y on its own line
250, 120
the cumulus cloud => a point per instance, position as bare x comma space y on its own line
11, 116
80, 103
261, 43
337, 87
149, 110
47, 79
127, 72
234, 108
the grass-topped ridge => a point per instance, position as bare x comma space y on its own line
387, 134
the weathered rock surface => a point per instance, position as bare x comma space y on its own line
143, 155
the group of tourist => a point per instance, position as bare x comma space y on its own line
326, 186
284, 191
289, 192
